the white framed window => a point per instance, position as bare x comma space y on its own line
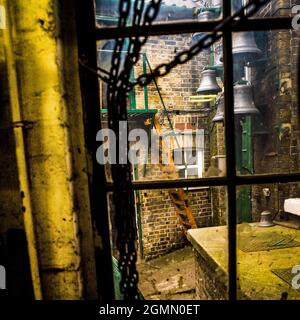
190, 152
188, 168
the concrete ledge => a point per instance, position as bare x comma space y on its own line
255, 278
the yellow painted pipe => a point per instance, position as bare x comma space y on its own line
21, 162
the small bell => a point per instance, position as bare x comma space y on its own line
243, 100
220, 111
266, 219
208, 83
244, 47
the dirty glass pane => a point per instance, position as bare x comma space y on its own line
266, 102
181, 243
180, 115
107, 11
268, 241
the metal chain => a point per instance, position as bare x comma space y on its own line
122, 201
207, 41
118, 89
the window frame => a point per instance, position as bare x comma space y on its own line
199, 165
88, 34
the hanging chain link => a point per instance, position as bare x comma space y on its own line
118, 87
207, 41
184, 56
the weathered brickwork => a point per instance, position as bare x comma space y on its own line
161, 230
278, 149
210, 285
160, 225
179, 84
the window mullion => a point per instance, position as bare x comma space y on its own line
255, 24
230, 155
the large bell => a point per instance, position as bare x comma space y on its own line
220, 111
208, 83
244, 46
243, 100
202, 16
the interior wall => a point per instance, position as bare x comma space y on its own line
45, 51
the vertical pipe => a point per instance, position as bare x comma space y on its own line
21, 163
146, 86
249, 145
212, 57
132, 92
230, 158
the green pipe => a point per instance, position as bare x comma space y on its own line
132, 92
146, 86
162, 101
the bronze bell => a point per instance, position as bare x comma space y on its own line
244, 46
266, 219
202, 16
208, 83
220, 111
243, 100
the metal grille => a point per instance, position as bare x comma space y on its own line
266, 242
285, 274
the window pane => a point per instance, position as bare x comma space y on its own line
181, 113
269, 241
266, 102
167, 259
181, 243
107, 11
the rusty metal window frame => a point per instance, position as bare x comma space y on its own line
88, 34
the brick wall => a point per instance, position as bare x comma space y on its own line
209, 284
160, 225
161, 231
275, 89
179, 84
276, 147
